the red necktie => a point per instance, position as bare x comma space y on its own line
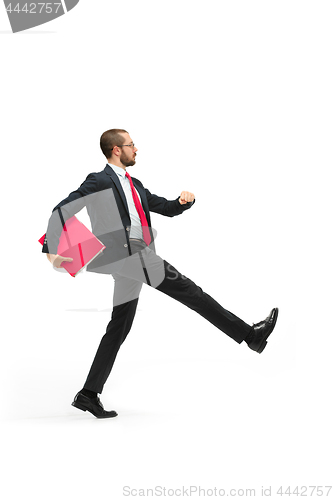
138, 206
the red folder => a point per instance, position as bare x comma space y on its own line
77, 242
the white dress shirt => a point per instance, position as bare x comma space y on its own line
136, 228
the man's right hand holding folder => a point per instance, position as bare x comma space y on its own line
57, 260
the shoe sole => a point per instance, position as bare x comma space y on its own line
83, 408
264, 341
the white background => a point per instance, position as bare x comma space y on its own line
229, 100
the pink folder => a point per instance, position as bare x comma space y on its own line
77, 242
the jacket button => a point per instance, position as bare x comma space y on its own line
125, 245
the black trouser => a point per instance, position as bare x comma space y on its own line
161, 275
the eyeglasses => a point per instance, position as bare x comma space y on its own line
132, 145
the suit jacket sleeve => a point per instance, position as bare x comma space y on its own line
68, 207
166, 207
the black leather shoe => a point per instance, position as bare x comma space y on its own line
262, 331
93, 405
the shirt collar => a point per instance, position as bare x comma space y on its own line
120, 171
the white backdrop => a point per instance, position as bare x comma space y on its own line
229, 100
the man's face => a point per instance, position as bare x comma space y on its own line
128, 151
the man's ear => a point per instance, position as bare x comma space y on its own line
116, 151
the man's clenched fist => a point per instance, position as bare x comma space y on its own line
186, 197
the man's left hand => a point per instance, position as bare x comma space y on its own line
186, 197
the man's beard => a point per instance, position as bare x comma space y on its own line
126, 161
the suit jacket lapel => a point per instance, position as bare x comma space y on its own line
116, 181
